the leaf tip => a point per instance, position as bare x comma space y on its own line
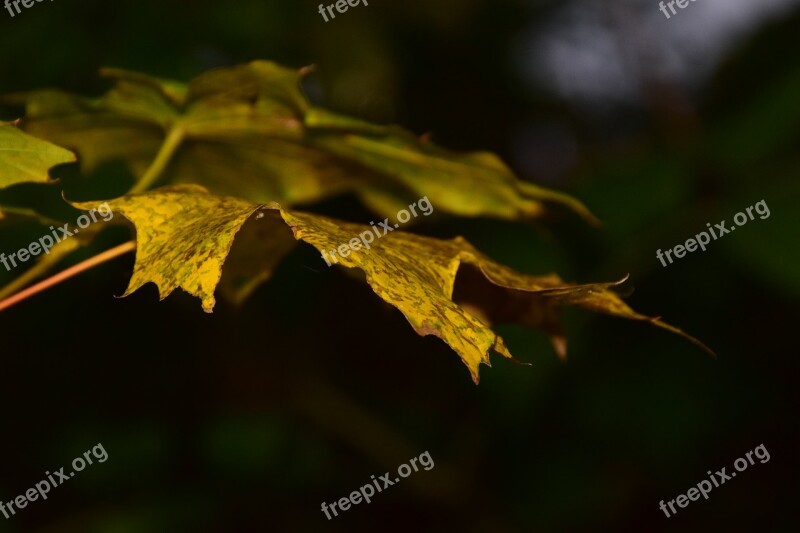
475, 376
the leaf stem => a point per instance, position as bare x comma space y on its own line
165, 153
168, 148
68, 273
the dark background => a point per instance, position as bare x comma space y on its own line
248, 419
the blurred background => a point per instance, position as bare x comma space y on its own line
248, 419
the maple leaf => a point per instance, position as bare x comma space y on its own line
24, 158
184, 235
248, 131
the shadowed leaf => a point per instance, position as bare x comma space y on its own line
24, 158
248, 131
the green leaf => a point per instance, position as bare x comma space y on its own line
248, 131
24, 158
